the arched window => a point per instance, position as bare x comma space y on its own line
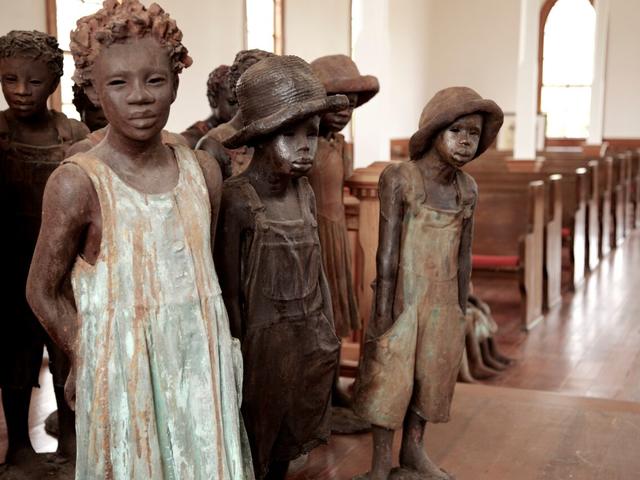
264, 21
567, 30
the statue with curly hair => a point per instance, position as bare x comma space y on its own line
123, 276
223, 106
33, 141
232, 160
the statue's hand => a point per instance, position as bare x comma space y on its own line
70, 388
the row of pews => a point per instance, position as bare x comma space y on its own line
546, 223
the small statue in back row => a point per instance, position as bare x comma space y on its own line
268, 255
332, 166
123, 276
232, 161
91, 115
415, 339
222, 103
33, 142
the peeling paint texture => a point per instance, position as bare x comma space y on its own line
159, 375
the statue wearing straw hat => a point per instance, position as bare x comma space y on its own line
332, 166
268, 255
415, 340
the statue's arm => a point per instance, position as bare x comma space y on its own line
215, 149
391, 196
227, 256
68, 206
464, 261
213, 179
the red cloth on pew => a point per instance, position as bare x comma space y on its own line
566, 232
494, 261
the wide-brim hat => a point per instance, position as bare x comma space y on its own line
445, 107
339, 74
277, 92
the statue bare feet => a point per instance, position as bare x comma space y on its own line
412, 454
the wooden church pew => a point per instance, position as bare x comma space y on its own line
509, 240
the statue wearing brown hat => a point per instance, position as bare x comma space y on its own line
415, 340
268, 255
332, 166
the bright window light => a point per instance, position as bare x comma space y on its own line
567, 68
261, 24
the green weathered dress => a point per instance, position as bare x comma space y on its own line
159, 375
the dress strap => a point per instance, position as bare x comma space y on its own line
306, 195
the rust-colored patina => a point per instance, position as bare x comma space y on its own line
415, 339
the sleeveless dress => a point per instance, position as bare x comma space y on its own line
289, 346
415, 363
327, 180
159, 375
24, 171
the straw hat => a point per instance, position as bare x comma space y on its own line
445, 107
339, 74
276, 92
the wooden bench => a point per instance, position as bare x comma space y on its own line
553, 222
509, 240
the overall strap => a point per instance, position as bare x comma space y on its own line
63, 126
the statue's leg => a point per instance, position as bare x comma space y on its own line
496, 354
477, 367
488, 359
59, 367
381, 459
412, 453
15, 402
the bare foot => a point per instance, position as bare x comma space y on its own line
413, 457
482, 372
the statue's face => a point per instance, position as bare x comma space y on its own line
93, 117
458, 143
336, 121
225, 103
26, 85
293, 148
135, 86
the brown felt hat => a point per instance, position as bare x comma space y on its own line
276, 92
445, 107
339, 74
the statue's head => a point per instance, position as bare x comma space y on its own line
127, 60
30, 70
221, 101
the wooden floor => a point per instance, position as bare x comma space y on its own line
568, 409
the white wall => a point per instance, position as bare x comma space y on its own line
213, 33
410, 75
313, 29
21, 15
622, 101
475, 44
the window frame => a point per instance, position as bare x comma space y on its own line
278, 26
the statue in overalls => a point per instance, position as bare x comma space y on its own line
268, 254
123, 276
415, 339
33, 142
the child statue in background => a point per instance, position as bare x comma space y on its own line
332, 166
33, 142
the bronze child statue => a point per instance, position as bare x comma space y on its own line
222, 103
415, 339
33, 142
232, 161
123, 276
332, 166
268, 255
91, 115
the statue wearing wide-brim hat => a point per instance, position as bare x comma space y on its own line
333, 165
269, 259
415, 339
